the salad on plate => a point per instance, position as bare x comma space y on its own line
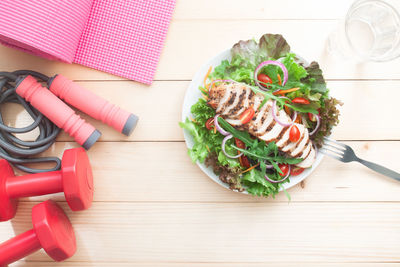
261, 117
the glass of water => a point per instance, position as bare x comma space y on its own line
369, 32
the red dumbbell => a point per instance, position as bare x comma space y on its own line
75, 179
51, 231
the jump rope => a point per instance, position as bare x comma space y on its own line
14, 149
18, 86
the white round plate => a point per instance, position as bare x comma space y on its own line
192, 96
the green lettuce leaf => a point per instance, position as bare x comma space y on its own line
273, 46
315, 78
201, 111
295, 70
257, 185
245, 53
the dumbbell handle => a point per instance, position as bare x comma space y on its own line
92, 104
19, 247
34, 184
57, 111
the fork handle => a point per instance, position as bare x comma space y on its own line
380, 169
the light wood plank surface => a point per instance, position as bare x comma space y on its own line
259, 9
153, 207
211, 232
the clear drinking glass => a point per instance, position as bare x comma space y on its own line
369, 32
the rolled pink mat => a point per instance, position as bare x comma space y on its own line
97, 107
48, 28
57, 111
122, 37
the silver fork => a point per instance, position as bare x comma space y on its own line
344, 153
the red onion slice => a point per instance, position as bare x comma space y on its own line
318, 118
218, 127
223, 147
278, 181
285, 97
271, 62
269, 166
276, 117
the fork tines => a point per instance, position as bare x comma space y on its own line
333, 148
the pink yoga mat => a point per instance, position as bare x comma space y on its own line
122, 37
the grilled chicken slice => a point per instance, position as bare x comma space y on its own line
231, 100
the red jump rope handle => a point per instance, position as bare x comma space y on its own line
57, 111
93, 105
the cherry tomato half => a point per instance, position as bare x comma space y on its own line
239, 143
247, 115
294, 134
296, 171
210, 123
284, 168
244, 161
300, 100
264, 79
311, 117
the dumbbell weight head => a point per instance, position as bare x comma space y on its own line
51, 231
54, 230
8, 206
75, 179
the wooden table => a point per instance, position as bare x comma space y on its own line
154, 208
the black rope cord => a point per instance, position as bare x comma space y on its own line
17, 151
